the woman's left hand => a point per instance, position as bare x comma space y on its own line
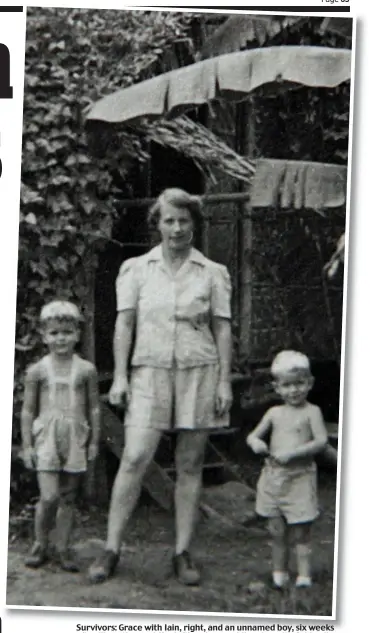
224, 397
92, 452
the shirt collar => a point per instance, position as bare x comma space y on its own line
195, 256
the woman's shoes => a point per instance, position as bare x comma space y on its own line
185, 570
104, 566
37, 557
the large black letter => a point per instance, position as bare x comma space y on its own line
6, 90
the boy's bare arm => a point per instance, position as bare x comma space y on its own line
254, 439
29, 407
94, 406
28, 415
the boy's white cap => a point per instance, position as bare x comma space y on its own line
289, 361
60, 310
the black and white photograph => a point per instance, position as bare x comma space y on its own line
183, 214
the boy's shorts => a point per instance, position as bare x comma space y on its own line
60, 441
174, 398
288, 491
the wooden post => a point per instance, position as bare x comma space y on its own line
205, 235
88, 339
246, 238
96, 471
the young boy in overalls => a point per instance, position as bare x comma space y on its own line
60, 429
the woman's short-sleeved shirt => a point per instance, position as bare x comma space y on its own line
173, 311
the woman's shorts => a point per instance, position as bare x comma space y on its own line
288, 491
174, 398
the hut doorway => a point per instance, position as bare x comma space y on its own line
131, 237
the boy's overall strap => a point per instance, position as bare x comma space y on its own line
72, 382
53, 381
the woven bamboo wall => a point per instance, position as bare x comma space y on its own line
293, 304
221, 240
279, 270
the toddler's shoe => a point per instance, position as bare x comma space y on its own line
303, 582
280, 579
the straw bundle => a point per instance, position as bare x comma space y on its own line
194, 140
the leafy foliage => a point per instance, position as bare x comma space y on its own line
73, 57
309, 123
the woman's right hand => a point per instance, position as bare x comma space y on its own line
29, 457
119, 394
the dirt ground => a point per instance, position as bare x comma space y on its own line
234, 562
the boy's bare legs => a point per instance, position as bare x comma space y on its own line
46, 507
69, 484
301, 533
140, 447
279, 535
44, 516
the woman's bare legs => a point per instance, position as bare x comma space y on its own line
189, 466
190, 449
140, 447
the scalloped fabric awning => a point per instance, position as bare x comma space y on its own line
298, 185
232, 76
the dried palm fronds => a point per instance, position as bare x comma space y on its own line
207, 150
120, 146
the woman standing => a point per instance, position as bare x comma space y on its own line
178, 304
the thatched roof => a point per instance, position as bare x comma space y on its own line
209, 152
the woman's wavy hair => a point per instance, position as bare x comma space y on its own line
181, 200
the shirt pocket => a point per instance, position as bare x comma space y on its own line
195, 304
